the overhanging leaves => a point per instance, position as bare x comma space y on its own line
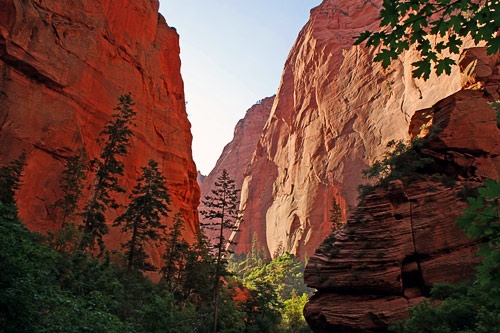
418, 22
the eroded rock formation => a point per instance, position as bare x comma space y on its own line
403, 239
63, 66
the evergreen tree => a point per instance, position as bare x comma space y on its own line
142, 219
256, 256
336, 216
198, 271
116, 135
10, 180
262, 309
72, 184
223, 215
293, 318
242, 264
175, 254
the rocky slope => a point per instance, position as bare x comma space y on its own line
63, 66
238, 153
334, 113
403, 238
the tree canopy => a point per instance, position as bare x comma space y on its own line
423, 23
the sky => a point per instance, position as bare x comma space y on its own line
232, 55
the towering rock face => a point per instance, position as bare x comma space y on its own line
334, 113
63, 65
238, 153
403, 239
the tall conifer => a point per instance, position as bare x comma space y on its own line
72, 185
175, 255
116, 136
10, 181
223, 215
142, 219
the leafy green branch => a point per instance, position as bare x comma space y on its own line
416, 22
401, 161
481, 221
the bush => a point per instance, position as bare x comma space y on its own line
401, 161
464, 308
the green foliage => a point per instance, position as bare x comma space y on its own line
116, 136
72, 185
285, 273
223, 215
10, 179
496, 106
476, 307
23, 272
42, 290
406, 23
242, 265
65, 240
199, 273
262, 309
222, 212
293, 318
53, 284
175, 256
336, 216
161, 314
285, 276
401, 161
142, 220
462, 308
481, 220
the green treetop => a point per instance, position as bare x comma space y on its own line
142, 219
223, 215
116, 135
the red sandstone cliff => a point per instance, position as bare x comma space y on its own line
403, 239
63, 65
334, 113
238, 153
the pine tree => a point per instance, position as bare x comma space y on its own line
72, 185
256, 256
175, 254
116, 135
142, 219
336, 216
223, 215
10, 182
199, 268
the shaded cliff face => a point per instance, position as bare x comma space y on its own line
403, 239
334, 113
237, 155
63, 66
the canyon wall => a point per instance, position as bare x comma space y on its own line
63, 66
236, 156
334, 113
402, 239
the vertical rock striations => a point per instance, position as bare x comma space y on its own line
63, 65
334, 113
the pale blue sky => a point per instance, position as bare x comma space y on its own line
232, 54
